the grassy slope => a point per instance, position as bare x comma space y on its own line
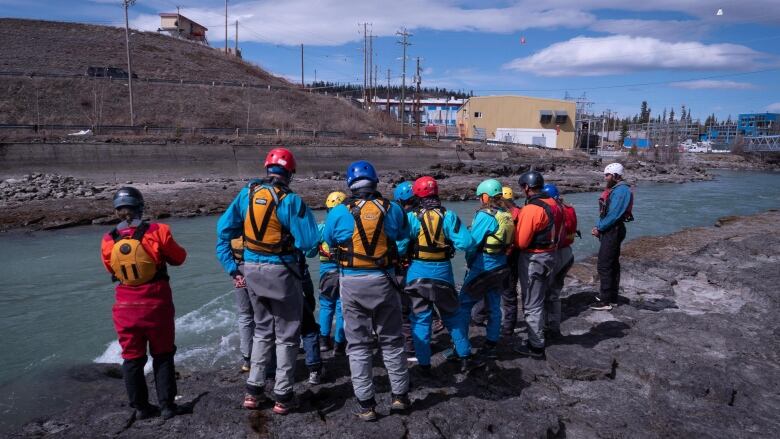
68, 48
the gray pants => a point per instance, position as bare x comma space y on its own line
534, 270
370, 304
277, 299
564, 259
246, 319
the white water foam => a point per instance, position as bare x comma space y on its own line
205, 336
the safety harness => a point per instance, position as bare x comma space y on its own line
545, 238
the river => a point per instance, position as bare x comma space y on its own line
55, 296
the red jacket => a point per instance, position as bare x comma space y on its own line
533, 221
569, 230
160, 245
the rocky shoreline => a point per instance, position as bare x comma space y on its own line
38, 201
691, 352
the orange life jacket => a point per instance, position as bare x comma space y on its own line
369, 247
263, 232
130, 262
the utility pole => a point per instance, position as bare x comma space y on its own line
302, 83
365, 65
127, 4
405, 42
371, 67
236, 37
226, 28
417, 97
178, 20
376, 87
389, 113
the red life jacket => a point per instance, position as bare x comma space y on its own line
628, 215
569, 230
547, 238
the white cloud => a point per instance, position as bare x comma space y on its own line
661, 29
584, 56
712, 84
334, 22
774, 108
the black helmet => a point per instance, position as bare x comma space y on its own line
531, 179
128, 197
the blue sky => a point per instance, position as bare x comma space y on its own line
618, 52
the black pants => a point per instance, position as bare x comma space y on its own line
308, 322
609, 262
164, 380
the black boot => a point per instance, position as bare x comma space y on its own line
165, 383
137, 392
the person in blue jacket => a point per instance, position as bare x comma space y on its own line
404, 196
277, 226
362, 232
615, 209
330, 299
488, 273
434, 235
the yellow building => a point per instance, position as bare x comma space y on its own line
519, 119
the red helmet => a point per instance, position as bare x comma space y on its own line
281, 157
425, 187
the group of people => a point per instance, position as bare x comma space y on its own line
385, 277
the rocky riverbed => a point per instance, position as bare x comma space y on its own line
50, 201
692, 351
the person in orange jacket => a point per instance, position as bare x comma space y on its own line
136, 253
536, 237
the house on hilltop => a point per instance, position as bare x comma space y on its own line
179, 26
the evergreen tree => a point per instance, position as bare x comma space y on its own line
644, 113
663, 118
623, 132
671, 115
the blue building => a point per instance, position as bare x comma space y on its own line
720, 134
758, 124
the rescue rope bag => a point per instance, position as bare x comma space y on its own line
499, 241
432, 243
262, 230
130, 262
369, 247
237, 249
545, 238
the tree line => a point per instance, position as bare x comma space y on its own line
395, 91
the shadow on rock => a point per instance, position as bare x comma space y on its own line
597, 334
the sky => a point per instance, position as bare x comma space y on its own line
712, 56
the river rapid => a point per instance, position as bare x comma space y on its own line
55, 298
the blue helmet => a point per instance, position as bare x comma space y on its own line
551, 190
403, 191
361, 170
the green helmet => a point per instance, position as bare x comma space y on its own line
490, 187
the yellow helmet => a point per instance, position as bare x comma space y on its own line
334, 199
507, 193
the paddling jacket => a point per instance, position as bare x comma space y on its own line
156, 242
455, 233
538, 225
291, 213
364, 231
615, 206
483, 225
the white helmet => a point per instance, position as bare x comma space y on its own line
614, 168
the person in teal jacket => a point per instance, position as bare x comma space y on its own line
330, 299
277, 226
362, 232
434, 235
487, 273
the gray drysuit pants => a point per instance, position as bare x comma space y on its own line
277, 299
246, 319
534, 270
564, 259
370, 303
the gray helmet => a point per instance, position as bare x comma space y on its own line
531, 179
128, 197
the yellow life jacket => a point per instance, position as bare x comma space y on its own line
432, 243
499, 241
369, 247
262, 230
324, 251
237, 248
130, 262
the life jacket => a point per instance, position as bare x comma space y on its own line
569, 229
369, 247
130, 262
237, 248
501, 240
604, 199
262, 230
432, 243
547, 238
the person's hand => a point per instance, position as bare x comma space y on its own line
239, 281
595, 232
